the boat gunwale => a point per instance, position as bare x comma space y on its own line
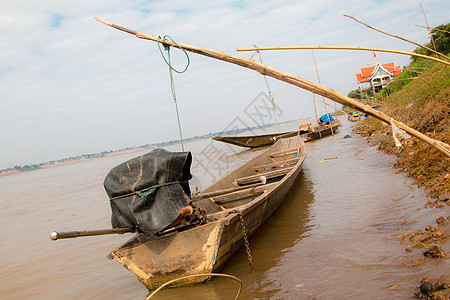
247, 207
245, 140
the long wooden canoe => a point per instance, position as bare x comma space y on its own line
206, 248
254, 141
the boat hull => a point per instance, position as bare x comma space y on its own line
157, 261
255, 141
206, 248
254, 217
323, 131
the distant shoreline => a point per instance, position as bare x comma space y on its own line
69, 162
86, 157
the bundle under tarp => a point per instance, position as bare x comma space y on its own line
147, 191
327, 118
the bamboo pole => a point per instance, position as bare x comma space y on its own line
291, 79
429, 31
326, 108
335, 107
55, 235
347, 48
396, 80
399, 37
198, 197
415, 68
433, 28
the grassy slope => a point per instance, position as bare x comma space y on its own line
423, 104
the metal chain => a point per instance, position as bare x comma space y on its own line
246, 243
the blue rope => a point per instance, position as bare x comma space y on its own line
172, 83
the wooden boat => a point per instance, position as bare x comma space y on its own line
240, 197
253, 141
323, 130
355, 116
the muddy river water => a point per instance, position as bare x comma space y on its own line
335, 237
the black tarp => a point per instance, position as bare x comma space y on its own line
147, 191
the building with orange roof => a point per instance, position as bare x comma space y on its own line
379, 75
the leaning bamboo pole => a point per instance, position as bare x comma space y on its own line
336, 108
291, 79
429, 31
347, 48
323, 98
402, 38
433, 28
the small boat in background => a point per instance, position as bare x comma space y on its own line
307, 133
354, 116
323, 130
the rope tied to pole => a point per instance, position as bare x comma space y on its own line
272, 98
267, 83
171, 68
167, 48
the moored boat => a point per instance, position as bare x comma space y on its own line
254, 141
355, 116
229, 212
323, 130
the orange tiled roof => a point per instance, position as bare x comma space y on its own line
366, 73
362, 79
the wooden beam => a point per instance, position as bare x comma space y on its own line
345, 48
399, 37
226, 191
282, 153
277, 164
243, 194
269, 174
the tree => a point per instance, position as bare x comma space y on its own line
441, 37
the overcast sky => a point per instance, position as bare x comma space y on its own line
70, 85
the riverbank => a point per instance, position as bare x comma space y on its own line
422, 104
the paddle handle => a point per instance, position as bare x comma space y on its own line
186, 211
73, 234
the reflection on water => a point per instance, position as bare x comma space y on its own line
335, 237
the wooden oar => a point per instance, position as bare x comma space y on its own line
73, 234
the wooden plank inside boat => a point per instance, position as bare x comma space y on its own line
266, 167
269, 174
283, 153
244, 193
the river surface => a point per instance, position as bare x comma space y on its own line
336, 236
